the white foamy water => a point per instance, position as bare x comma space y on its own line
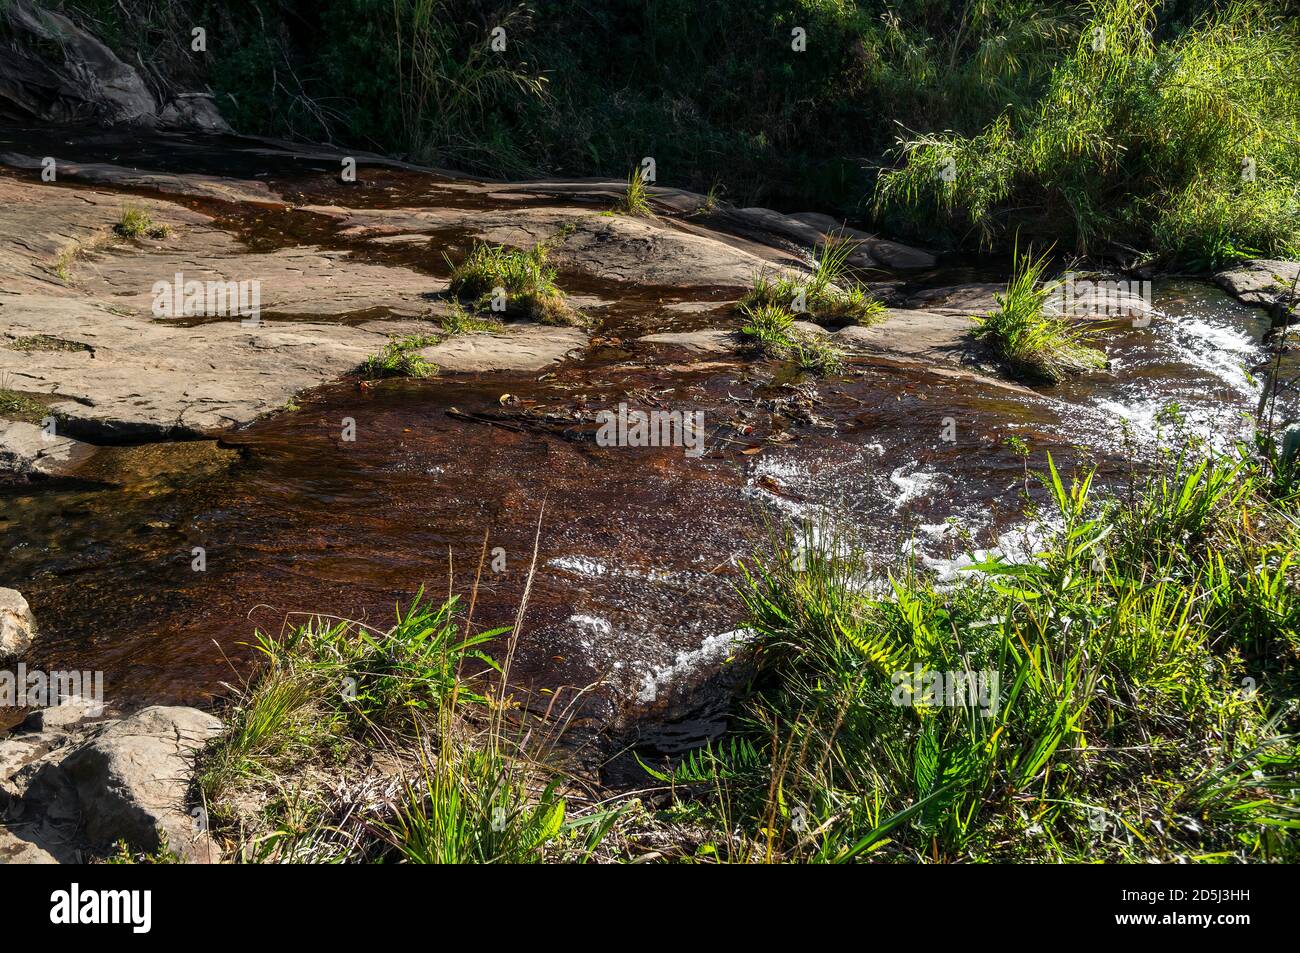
1216, 341
913, 483
714, 649
1222, 351
595, 569
1017, 546
594, 624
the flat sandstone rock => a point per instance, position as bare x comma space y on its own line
527, 348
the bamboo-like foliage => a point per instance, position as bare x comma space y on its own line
1187, 146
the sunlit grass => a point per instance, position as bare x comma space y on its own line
1033, 343
521, 282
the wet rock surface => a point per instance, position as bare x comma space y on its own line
28, 449
528, 348
1261, 282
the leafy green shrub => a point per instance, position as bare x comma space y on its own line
1187, 144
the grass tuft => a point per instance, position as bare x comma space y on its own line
136, 223
400, 358
636, 197
769, 331
828, 296
524, 277
1032, 342
355, 744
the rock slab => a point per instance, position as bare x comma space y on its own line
70, 789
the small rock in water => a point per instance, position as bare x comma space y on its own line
17, 625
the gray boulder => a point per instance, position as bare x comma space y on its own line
126, 780
84, 81
53, 70
1261, 282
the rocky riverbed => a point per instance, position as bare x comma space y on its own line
173, 482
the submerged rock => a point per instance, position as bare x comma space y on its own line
27, 448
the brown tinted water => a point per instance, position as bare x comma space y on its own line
634, 591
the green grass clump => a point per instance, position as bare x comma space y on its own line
828, 296
636, 197
1033, 343
136, 223
1146, 657
325, 679
813, 354
400, 358
769, 328
524, 275
46, 342
15, 405
769, 331
474, 805
351, 743
460, 321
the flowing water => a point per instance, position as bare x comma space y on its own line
633, 610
